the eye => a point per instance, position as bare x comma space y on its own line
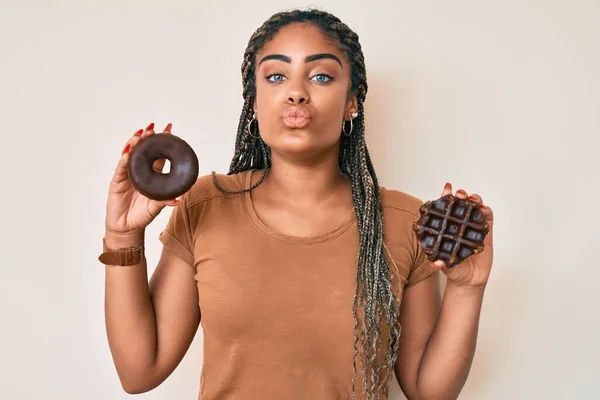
275, 78
322, 78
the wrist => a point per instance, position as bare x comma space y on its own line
461, 289
119, 240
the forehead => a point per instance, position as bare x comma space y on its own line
301, 39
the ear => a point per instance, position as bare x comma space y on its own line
351, 107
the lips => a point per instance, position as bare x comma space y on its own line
296, 117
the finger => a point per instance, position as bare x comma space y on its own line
121, 170
447, 189
476, 198
160, 164
485, 210
148, 131
439, 264
461, 194
487, 214
134, 141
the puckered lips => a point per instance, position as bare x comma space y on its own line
296, 117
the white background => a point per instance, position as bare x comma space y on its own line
499, 98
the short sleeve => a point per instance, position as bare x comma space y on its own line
177, 235
421, 268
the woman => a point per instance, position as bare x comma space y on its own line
296, 261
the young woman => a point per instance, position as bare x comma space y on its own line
305, 273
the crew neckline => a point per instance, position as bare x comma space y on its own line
275, 234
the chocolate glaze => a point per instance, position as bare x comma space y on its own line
163, 186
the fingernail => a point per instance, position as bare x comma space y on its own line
461, 191
126, 149
151, 126
447, 185
138, 133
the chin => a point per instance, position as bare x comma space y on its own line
294, 146
297, 144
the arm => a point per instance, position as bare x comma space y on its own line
151, 325
439, 340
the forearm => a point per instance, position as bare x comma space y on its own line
447, 359
130, 320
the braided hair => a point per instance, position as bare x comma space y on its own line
374, 294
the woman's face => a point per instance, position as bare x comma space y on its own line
302, 86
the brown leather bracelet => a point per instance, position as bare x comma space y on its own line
122, 257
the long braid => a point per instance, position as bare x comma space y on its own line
375, 304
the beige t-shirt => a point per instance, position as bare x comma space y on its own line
277, 310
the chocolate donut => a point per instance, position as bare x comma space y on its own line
157, 185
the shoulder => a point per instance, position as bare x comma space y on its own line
399, 203
215, 186
400, 211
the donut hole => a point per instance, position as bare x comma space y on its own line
166, 165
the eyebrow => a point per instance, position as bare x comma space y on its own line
314, 57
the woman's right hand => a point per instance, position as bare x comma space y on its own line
128, 212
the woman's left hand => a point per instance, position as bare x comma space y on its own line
475, 270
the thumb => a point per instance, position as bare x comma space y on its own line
155, 207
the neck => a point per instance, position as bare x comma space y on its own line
305, 182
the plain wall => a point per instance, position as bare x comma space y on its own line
499, 98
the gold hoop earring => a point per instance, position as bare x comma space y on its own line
250, 127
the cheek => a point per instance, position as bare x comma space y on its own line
266, 99
332, 108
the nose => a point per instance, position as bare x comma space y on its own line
298, 94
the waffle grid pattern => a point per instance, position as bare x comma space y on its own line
450, 229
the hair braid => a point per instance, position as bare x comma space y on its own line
375, 304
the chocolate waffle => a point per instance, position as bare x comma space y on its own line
450, 229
